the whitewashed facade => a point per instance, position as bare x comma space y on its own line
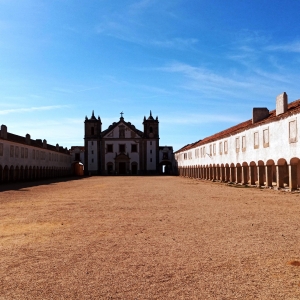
263, 151
22, 158
121, 149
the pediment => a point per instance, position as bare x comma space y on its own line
122, 130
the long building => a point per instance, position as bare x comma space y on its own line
262, 151
22, 158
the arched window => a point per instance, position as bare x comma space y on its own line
151, 129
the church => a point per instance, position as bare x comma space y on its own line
121, 149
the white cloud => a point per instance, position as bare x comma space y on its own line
30, 109
291, 47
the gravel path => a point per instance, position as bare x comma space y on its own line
148, 238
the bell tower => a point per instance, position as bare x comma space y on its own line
151, 144
92, 142
151, 128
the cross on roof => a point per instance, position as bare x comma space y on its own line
121, 113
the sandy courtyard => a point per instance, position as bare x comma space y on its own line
148, 238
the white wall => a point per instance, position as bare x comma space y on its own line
92, 156
26, 155
110, 156
282, 144
151, 157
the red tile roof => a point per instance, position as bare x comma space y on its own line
293, 108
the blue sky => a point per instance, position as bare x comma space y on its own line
200, 66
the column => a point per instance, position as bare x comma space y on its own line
293, 177
279, 176
260, 175
252, 174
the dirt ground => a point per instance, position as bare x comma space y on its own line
148, 238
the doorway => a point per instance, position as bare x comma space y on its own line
122, 168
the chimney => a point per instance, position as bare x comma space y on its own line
27, 139
281, 103
3, 132
259, 113
44, 144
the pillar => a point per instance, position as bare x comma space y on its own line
279, 175
222, 175
260, 175
269, 176
252, 174
245, 171
293, 177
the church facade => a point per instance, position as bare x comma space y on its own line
121, 149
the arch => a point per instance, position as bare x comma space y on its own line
260, 163
270, 162
294, 173
21, 173
11, 173
17, 173
252, 163
227, 172
261, 173
282, 173
232, 174
253, 178
30, 173
281, 162
294, 161
5, 173
26, 175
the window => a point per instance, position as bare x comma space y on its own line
92, 143
150, 151
92, 151
110, 148
210, 150
243, 143
150, 159
133, 148
150, 143
165, 155
26, 152
151, 129
256, 140
17, 151
214, 149
1, 149
92, 131
266, 138
220, 147
122, 148
22, 152
226, 147
92, 160
12, 150
293, 131
237, 144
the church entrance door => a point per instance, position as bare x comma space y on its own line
122, 168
